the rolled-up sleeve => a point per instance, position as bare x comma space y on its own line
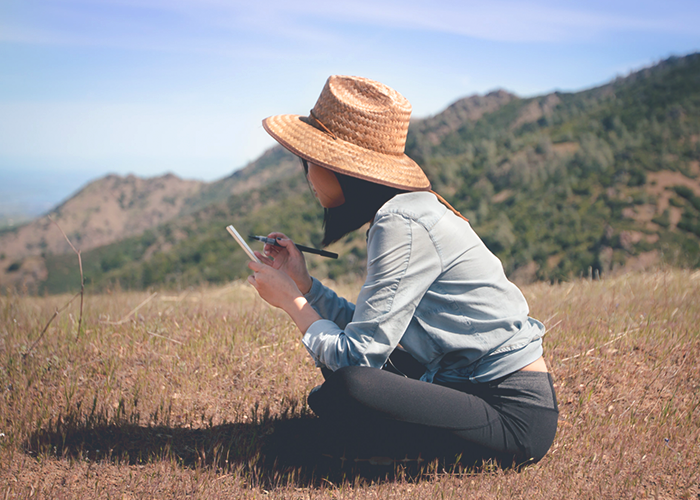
328, 305
402, 263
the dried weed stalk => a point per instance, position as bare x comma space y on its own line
206, 398
81, 293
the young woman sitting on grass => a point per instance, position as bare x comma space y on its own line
438, 354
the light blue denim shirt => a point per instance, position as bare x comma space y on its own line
434, 288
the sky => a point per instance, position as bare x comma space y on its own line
91, 87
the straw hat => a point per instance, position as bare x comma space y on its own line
358, 127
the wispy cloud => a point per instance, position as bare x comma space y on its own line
499, 20
166, 81
199, 24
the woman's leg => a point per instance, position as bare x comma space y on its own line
395, 412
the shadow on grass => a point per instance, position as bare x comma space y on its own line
268, 452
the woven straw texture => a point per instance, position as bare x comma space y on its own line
358, 127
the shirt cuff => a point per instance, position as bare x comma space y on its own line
314, 292
313, 339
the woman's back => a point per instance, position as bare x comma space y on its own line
459, 305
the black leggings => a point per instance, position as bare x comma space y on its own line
512, 420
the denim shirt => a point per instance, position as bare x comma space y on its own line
434, 290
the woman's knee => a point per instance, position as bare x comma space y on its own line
343, 391
542, 440
354, 376
352, 382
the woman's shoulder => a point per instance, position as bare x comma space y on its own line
420, 206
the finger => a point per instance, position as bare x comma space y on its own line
284, 241
273, 250
255, 266
287, 244
251, 280
280, 246
263, 258
277, 235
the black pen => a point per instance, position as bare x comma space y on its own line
302, 248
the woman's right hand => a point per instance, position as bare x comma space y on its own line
288, 259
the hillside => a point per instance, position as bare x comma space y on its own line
115, 208
107, 210
274, 164
565, 183
558, 186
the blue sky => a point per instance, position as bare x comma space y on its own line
89, 87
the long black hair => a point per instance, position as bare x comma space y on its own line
362, 201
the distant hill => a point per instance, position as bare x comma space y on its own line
559, 185
115, 208
430, 132
274, 164
106, 210
571, 183
13, 219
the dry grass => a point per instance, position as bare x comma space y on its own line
179, 398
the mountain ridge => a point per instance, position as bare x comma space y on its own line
557, 185
113, 208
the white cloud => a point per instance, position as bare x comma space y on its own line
206, 24
231, 62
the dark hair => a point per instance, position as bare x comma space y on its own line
362, 201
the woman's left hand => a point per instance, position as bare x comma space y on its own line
273, 285
279, 290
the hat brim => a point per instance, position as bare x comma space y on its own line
319, 147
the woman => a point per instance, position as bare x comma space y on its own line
438, 351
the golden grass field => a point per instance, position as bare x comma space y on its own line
179, 398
